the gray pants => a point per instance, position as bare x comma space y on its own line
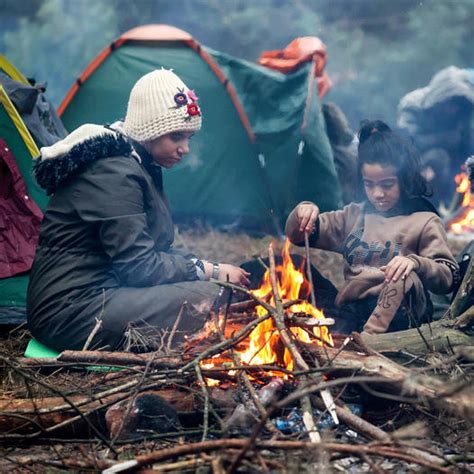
141, 312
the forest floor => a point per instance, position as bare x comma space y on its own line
419, 433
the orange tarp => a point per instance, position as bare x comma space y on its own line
298, 52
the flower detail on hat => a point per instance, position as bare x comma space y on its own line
192, 96
180, 98
188, 98
193, 109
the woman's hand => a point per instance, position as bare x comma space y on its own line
228, 272
398, 267
233, 274
306, 215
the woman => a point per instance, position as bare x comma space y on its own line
105, 248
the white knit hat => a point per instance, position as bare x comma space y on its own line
160, 103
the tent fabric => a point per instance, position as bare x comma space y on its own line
298, 52
11, 71
234, 175
21, 199
290, 132
36, 112
20, 218
15, 119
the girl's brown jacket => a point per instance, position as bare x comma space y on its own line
368, 240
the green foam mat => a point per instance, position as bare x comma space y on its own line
36, 350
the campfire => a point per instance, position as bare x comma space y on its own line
305, 322
463, 220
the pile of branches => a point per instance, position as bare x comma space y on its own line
158, 409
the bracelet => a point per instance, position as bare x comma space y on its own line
200, 271
215, 271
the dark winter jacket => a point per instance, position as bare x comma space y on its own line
107, 225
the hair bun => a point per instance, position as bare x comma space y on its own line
371, 127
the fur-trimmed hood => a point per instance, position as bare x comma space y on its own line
69, 157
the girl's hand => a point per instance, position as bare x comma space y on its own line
306, 214
398, 267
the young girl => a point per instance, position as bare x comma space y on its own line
393, 242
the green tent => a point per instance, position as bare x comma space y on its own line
263, 145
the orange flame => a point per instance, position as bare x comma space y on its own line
463, 222
265, 346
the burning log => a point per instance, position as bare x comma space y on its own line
305, 322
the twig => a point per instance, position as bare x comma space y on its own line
182, 450
98, 324
65, 397
371, 464
95, 330
205, 393
175, 326
308, 268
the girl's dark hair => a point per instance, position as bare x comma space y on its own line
379, 144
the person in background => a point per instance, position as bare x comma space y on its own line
344, 148
393, 242
105, 247
439, 119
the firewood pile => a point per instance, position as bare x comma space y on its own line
398, 402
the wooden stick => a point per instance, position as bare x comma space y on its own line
308, 268
186, 449
98, 325
278, 319
205, 393
294, 320
175, 326
128, 358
